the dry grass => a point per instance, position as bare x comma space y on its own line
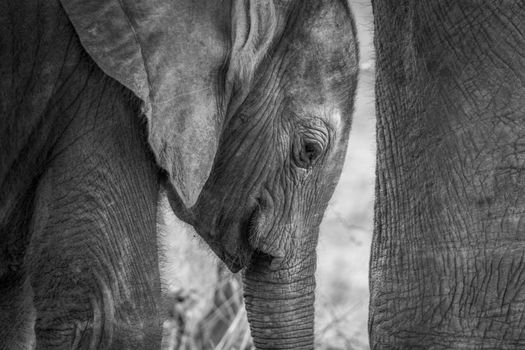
223, 327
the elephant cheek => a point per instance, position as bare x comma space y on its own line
280, 303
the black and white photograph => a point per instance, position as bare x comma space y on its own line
262, 174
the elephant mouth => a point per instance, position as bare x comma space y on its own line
250, 247
242, 250
241, 253
230, 239
235, 242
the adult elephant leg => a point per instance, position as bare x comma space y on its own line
93, 253
447, 267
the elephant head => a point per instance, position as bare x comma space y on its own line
248, 105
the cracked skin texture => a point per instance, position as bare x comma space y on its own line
447, 268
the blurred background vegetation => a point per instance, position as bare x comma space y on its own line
204, 301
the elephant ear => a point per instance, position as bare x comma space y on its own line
171, 53
254, 24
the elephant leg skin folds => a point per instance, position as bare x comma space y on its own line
92, 257
75, 152
93, 252
447, 260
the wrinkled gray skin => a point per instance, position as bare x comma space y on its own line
79, 184
276, 168
79, 187
447, 266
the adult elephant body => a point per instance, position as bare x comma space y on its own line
241, 109
79, 195
447, 255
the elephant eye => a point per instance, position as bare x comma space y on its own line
308, 153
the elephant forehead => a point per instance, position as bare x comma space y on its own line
314, 90
323, 64
328, 21
330, 114
326, 113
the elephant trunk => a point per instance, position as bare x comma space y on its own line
280, 302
